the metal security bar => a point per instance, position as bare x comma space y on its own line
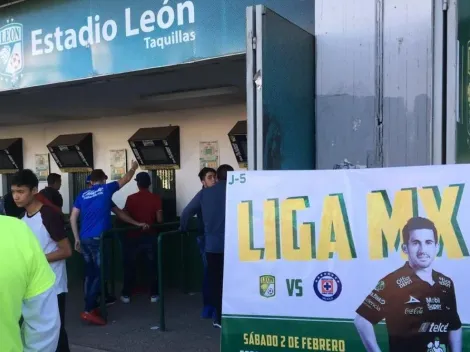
165, 186
77, 183
108, 239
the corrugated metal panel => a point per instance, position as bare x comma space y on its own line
408, 67
374, 110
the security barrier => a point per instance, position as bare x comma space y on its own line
111, 236
179, 262
161, 239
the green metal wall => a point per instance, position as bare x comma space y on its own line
463, 125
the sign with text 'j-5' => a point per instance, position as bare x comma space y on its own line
347, 260
45, 42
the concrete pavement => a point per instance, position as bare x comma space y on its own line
134, 327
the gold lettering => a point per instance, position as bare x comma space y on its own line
443, 210
247, 250
272, 229
296, 244
386, 222
335, 232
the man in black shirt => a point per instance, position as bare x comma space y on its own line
51, 192
418, 304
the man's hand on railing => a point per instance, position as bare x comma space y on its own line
144, 226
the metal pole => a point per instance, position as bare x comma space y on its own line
160, 281
103, 310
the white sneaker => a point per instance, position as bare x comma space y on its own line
154, 299
125, 299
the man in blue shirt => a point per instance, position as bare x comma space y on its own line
94, 207
123, 216
211, 202
207, 176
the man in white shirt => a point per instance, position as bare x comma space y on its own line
48, 226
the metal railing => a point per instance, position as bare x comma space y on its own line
161, 239
161, 233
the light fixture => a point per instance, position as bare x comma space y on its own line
191, 94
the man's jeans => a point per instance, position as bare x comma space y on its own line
208, 310
91, 254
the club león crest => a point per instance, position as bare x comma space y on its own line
11, 50
267, 286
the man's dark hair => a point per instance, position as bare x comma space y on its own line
25, 178
418, 223
202, 174
222, 172
143, 180
98, 175
52, 179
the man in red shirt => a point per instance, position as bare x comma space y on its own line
144, 207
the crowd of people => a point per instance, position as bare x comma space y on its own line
33, 258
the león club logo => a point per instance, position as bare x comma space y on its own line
11, 51
267, 286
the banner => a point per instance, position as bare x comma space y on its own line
45, 42
347, 260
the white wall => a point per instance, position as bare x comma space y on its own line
209, 124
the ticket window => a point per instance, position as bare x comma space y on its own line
6, 183
164, 184
157, 149
77, 183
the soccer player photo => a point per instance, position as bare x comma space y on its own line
417, 302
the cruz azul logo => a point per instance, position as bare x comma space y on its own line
267, 286
11, 51
327, 286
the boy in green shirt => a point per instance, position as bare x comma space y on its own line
28, 292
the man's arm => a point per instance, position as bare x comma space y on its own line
74, 224
159, 216
40, 310
191, 209
63, 251
60, 200
124, 216
367, 334
129, 175
455, 340
55, 226
373, 310
41, 326
455, 333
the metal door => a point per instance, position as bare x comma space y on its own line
280, 93
458, 82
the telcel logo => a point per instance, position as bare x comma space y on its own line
434, 327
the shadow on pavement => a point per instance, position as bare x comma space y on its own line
134, 327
